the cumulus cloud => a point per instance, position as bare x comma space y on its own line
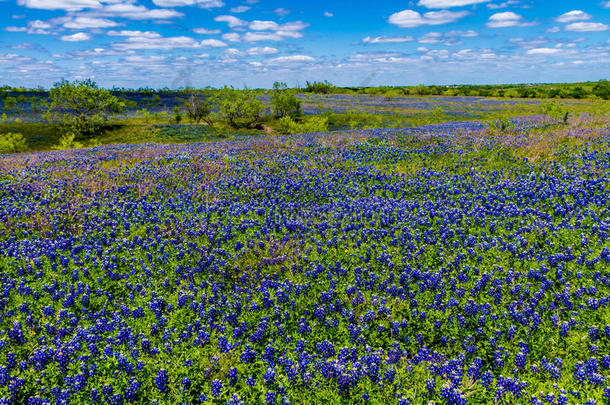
574, 15
205, 31
265, 50
140, 34
232, 21
68, 5
180, 3
137, 40
507, 19
239, 9
33, 27
411, 18
387, 40
543, 51
80, 23
505, 4
78, 37
449, 3
587, 27
134, 12
328, 14
281, 11
291, 59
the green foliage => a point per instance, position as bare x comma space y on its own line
177, 117
555, 110
284, 101
499, 126
239, 108
199, 109
286, 125
81, 107
602, 89
67, 141
319, 87
10, 103
12, 142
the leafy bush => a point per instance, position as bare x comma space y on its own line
199, 109
81, 107
319, 87
13, 142
312, 124
239, 107
602, 89
555, 110
284, 101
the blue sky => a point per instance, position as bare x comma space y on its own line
173, 43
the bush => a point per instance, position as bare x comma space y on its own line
555, 110
312, 124
81, 107
319, 87
12, 142
239, 107
199, 109
602, 89
284, 101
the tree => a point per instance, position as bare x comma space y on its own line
81, 107
602, 89
239, 107
199, 109
284, 101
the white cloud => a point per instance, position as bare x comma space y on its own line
156, 42
574, 15
240, 9
140, 34
328, 14
507, 19
411, 18
68, 5
508, 3
265, 50
448, 3
79, 23
205, 31
387, 40
258, 25
553, 29
180, 3
212, 43
606, 4
232, 21
291, 59
231, 37
586, 27
543, 51
134, 12
465, 34
34, 27
78, 37
281, 11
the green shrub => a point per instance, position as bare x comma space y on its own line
284, 101
240, 108
286, 125
12, 142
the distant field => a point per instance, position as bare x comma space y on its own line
461, 262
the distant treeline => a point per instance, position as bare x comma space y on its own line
599, 89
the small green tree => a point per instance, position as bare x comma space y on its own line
81, 107
555, 110
199, 109
284, 101
12, 143
602, 89
239, 107
10, 103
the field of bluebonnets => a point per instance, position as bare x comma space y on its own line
452, 263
